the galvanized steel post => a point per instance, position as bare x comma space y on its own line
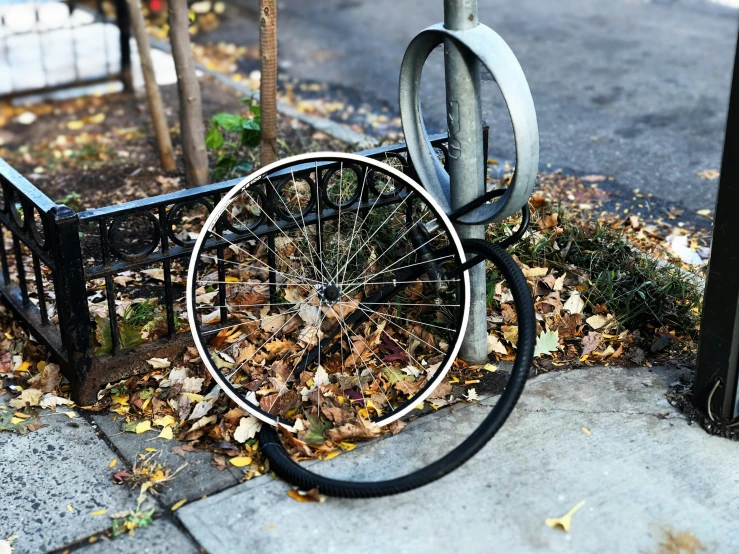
466, 163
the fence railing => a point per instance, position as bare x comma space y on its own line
49, 45
65, 273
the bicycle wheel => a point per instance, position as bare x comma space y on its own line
283, 465
312, 295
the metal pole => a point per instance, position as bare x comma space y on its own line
124, 26
466, 159
718, 349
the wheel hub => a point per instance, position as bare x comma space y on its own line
330, 293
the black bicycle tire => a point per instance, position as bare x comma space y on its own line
295, 474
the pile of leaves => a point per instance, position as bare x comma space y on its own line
598, 298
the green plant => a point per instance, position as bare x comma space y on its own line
639, 290
130, 521
72, 200
228, 136
141, 313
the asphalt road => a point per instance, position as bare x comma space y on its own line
632, 89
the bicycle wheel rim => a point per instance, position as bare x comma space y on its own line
454, 243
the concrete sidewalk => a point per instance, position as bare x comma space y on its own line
651, 482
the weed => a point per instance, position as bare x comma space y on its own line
639, 290
139, 314
130, 521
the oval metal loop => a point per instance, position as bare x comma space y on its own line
114, 234
175, 211
497, 57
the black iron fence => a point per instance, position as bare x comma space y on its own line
48, 45
74, 278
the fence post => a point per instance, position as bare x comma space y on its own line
123, 20
718, 349
71, 300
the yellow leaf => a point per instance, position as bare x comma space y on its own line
231, 279
454, 379
70, 415
586, 430
706, 213
21, 415
41, 365
240, 461
331, 455
194, 397
143, 427
166, 421
15, 420
490, 367
151, 449
177, 505
166, 434
99, 512
76, 125
113, 462
420, 406
348, 446
23, 367
296, 495
97, 118
69, 508
566, 520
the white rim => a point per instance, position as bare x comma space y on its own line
255, 177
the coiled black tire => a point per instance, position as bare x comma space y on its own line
294, 473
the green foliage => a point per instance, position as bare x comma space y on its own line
72, 200
639, 290
139, 314
229, 135
131, 521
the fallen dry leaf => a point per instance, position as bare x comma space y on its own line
565, 521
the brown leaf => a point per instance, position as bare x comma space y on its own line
397, 426
337, 415
219, 462
354, 431
591, 342
48, 379
442, 390
548, 221
280, 404
510, 333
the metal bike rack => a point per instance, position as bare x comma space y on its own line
461, 191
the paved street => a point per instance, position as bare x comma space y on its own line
603, 435
635, 89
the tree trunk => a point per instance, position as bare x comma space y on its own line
192, 129
159, 120
268, 85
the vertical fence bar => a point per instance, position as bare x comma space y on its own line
40, 290
20, 270
465, 159
221, 253
109, 286
71, 300
4, 257
167, 265
718, 349
271, 259
124, 26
